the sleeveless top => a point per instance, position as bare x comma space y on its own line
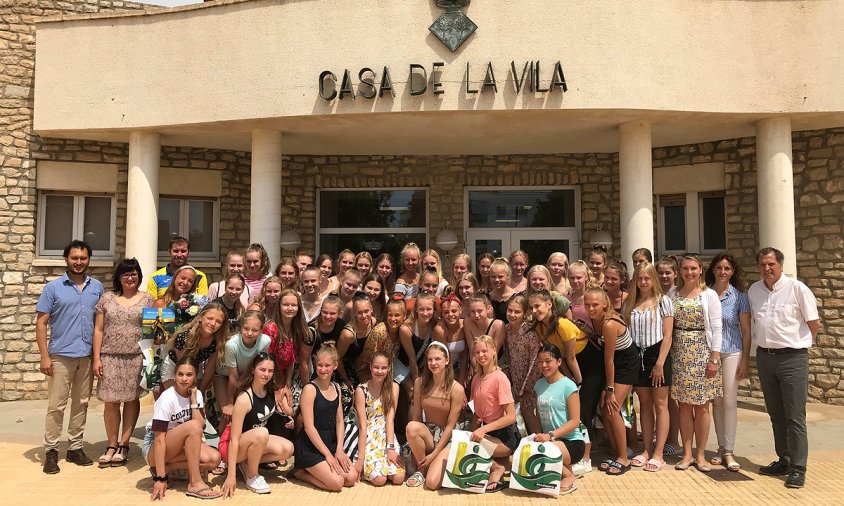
623, 341
231, 315
262, 409
420, 344
325, 412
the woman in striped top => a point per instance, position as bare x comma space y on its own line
621, 364
650, 315
725, 277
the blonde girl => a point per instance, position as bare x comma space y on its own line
345, 261
539, 280
558, 264
256, 270
311, 299
462, 264
267, 300
204, 338
449, 331
183, 283
363, 263
407, 282
479, 323
422, 321
650, 315
499, 295
349, 285
375, 405
431, 259
319, 458
353, 339
621, 370
495, 411
580, 279
519, 263
437, 403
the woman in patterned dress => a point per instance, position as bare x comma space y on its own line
375, 404
117, 358
523, 347
696, 355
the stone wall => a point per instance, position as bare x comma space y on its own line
819, 205
445, 178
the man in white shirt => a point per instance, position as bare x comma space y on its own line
785, 324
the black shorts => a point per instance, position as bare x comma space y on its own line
627, 365
508, 435
649, 357
576, 448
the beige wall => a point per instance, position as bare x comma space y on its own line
261, 59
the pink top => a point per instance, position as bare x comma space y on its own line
254, 286
218, 290
490, 394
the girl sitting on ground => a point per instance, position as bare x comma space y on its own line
559, 413
318, 456
174, 436
375, 404
437, 402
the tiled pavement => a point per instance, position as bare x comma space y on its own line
21, 425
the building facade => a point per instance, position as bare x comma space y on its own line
235, 121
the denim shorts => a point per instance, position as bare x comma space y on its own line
146, 445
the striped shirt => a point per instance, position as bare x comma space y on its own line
623, 341
646, 325
733, 303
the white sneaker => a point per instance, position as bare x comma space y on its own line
582, 467
258, 485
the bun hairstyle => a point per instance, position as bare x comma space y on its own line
256, 247
479, 297
258, 315
333, 299
645, 252
519, 253
501, 263
328, 348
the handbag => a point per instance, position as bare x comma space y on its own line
537, 467
468, 464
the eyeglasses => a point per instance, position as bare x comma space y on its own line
129, 275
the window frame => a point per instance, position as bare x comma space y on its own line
693, 221
184, 226
379, 230
78, 222
467, 190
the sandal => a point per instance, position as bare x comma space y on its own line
730, 462
120, 456
669, 450
105, 459
639, 460
568, 490
617, 468
654, 465
199, 493
718, 459
497, 486
605, 464
417, 478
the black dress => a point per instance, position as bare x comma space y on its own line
305, 453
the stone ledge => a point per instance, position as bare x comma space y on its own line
59, 262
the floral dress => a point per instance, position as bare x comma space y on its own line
375, 462
690, 353
120, 354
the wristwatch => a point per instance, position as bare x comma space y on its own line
391, 446
197, 406
714, 361
551, 435
610, 388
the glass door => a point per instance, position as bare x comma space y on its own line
495, 242
539, 244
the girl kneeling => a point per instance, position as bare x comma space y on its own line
319, 458
375, 404
495, 411
559, 413
246, 442
174, 436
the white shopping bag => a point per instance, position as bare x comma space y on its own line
468, 464
537, 467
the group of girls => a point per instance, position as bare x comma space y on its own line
410, 354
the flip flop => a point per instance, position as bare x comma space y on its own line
198, 494
639, 460
654, 465
568, 490
499, 486
619, 468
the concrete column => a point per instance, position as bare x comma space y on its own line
142, 201
775, 180
635, 166
265, 212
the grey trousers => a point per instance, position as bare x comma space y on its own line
785, 385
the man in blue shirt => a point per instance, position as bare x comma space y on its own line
68, 305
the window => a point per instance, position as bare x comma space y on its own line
63, 218
196, 219
372, 220
522, 208
692, 222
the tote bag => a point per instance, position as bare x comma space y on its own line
537, 467
468, 464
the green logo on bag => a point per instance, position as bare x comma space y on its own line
532, 474
465, 473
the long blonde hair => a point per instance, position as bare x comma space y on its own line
193, 329
426, 384
262, 299
581, 266
634, 297
565, 279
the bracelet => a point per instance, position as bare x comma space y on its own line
197, 406
155, 477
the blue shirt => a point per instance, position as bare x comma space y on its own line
71, 315
552, 403
733, 304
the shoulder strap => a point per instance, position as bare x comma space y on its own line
491, 323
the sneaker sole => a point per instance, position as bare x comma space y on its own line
258, 491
